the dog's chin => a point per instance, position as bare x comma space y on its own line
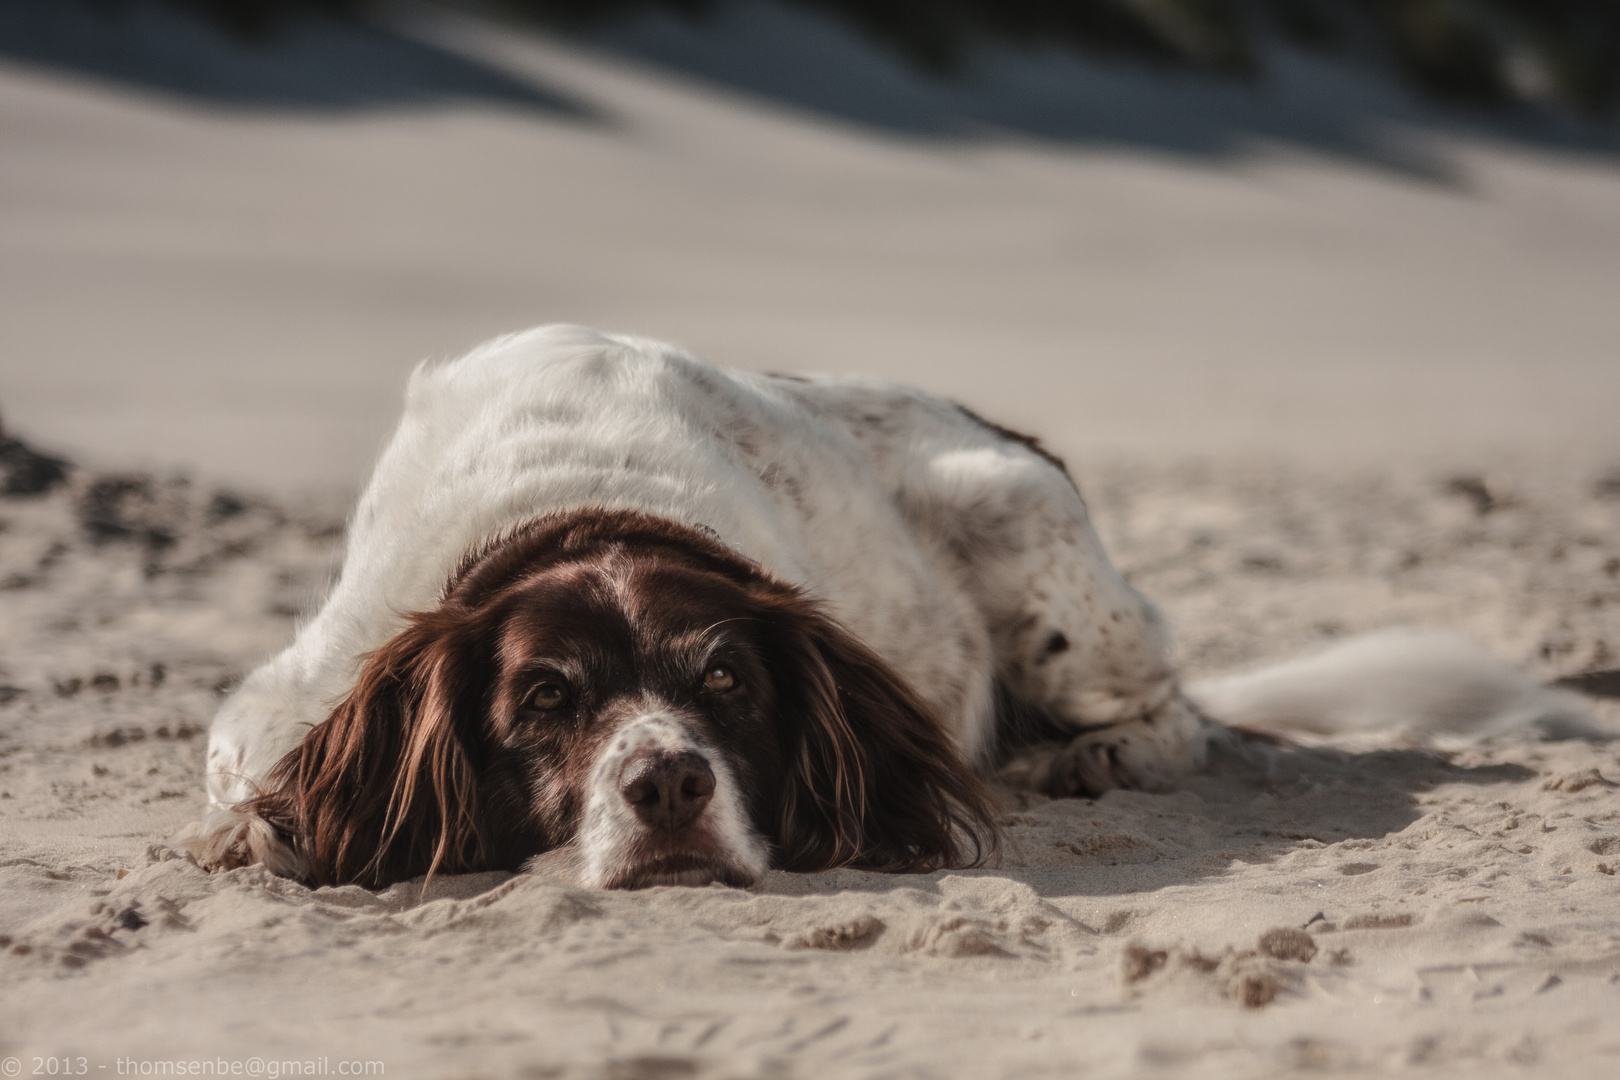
643, 871
680, 869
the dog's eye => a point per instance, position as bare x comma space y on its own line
718, 679
547, 696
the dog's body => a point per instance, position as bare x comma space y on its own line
750, 604
958, 553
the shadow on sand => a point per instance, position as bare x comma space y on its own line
314, 64
1253, 805
796, 59
1260, 805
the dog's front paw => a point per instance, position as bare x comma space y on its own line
1151, 753
229, 838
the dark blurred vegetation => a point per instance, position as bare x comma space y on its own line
1564, 53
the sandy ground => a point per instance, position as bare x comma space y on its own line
1447, 912
1311, 384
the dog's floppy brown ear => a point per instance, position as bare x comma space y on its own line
874, 782
384, 789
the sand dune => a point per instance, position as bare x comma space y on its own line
239, 285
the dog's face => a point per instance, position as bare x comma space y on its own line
634, 716
621, 700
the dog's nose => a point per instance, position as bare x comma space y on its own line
667, 790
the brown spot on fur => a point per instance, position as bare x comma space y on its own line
1028, 442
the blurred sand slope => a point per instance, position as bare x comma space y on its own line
240, 289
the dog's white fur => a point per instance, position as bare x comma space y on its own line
609, 827
959, 555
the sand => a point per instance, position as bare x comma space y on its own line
1333, 908
1310, 387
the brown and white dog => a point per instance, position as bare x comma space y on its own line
613, 612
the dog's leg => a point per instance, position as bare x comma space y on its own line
1150, 753
1073, 641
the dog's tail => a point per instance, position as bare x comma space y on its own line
1417, 683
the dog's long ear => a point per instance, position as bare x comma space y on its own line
874, 781
383, 789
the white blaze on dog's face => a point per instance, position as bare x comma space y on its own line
662, 809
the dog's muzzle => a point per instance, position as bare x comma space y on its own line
664, 809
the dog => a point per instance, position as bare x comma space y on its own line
614, 613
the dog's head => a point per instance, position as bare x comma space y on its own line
622, 699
